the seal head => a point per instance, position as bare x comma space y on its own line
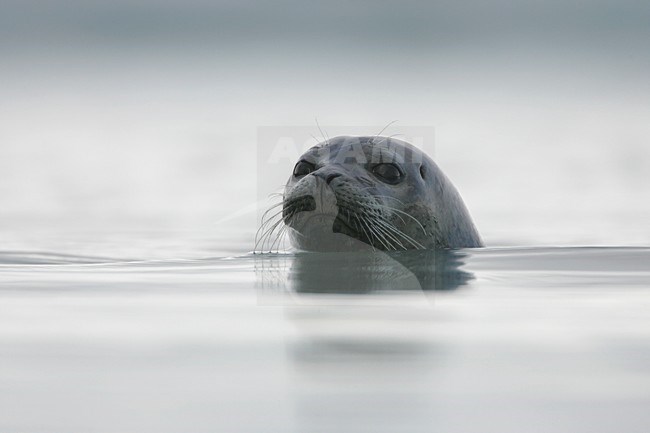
356, 193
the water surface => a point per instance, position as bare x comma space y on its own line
508, 339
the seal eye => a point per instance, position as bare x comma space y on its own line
389, 173
303, 168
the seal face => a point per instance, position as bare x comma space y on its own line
356, 193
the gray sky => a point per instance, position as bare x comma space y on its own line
598, 25
540, 108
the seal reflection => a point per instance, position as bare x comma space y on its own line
363, 340
374, 272
362, 272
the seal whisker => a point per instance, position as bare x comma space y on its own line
376, 236
279, 236
277, 212
280, 203
352, 216
387, 138
270, 235
365, 232
387, 197
265, 214
389, 228
397, 232
265, 222
382, 130
370, 223
265, 226
261, 234
389, 232
266, 235
402, 234
315, 139
325, 136
385, 206
380, 237
384, 234
408, 215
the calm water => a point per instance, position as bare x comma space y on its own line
508, 339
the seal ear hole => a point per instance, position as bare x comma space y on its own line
423, 171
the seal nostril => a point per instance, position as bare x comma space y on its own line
331, 177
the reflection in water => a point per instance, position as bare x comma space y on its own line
363, 272
364, 341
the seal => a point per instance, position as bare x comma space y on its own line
372, 192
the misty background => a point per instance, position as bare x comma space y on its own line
142, 116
